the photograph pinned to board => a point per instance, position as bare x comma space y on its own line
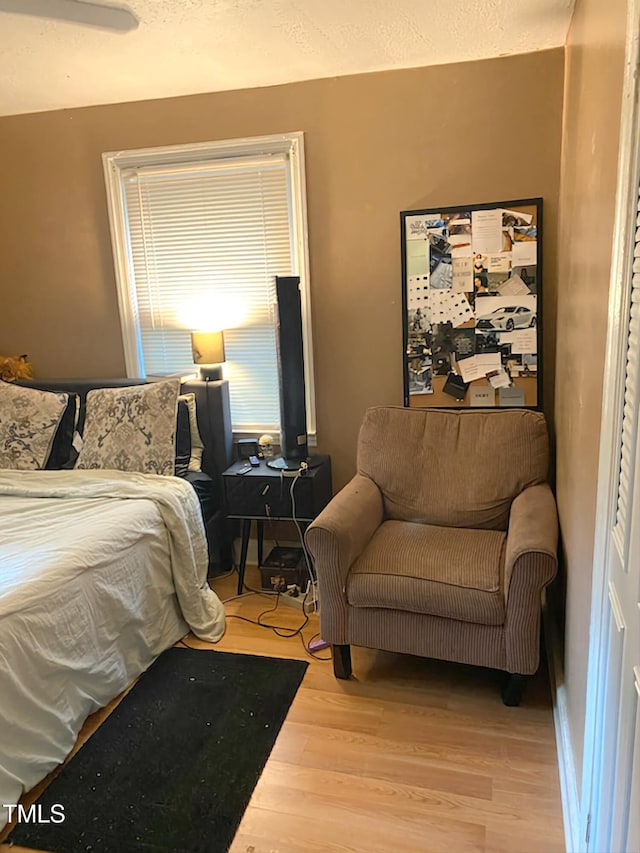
471, 300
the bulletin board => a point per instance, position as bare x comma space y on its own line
472, 291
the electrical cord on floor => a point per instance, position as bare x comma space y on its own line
312, 580
297, 632
279, 630
250, 591
182, 644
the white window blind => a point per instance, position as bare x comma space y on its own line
200, 232
627, 458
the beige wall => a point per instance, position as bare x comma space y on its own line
375, 144
593, 86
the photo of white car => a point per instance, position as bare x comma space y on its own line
508, 318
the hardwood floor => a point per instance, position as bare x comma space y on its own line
410, 756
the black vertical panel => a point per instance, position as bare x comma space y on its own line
293, 414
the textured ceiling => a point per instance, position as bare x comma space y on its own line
190, 46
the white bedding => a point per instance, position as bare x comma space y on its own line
99, 573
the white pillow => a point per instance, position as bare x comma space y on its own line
197, 447
131, 429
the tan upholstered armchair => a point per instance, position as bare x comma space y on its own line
443, 541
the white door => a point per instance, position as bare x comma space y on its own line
623, 584
613, 823
615, 783
610, 813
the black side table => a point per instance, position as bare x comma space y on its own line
265, 493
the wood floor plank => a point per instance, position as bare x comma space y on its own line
336, 711
486, 722
389, 757
500, 840
387, 761
329, 792
291, 743
414, 807
267, 831
313, 820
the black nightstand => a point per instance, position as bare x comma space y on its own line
265, 493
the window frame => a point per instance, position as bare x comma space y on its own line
115, 163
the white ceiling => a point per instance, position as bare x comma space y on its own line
190, 46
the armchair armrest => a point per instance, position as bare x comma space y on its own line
531, 562
335, 539
533, 527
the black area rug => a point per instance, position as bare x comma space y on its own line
173, 767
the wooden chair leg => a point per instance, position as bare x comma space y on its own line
513, 690
341, 661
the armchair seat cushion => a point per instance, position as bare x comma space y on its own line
455, 573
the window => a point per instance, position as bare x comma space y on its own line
199, 233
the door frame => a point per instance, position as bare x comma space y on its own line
595, 802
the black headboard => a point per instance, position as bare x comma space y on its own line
212, 407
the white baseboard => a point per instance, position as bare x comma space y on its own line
566, 764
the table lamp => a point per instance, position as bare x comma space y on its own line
208, 353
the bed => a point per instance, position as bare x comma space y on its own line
100, 571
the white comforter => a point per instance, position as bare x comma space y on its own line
27, 546
99, 571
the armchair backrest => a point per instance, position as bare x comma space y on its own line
453, 468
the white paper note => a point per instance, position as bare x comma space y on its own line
462, 273
417, 291
512, 396
514, 286
444, 306
433, 307
460, 311
417, 227
482, 395
499, 263
469, 369
524, 340
486, 231
488, 362
440, 306
418, 258
500, 379
524, 253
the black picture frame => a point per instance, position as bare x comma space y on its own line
472, 305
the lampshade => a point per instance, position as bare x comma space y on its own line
208, 350
207, 347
